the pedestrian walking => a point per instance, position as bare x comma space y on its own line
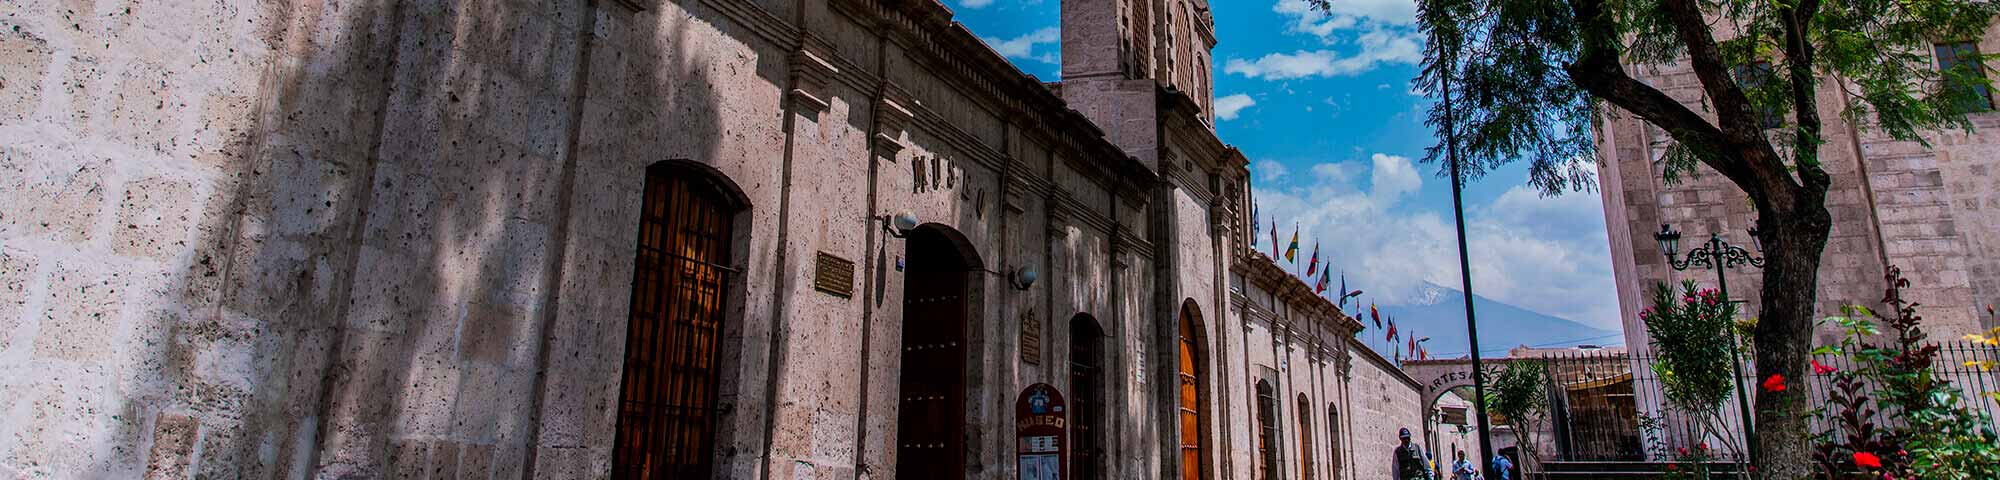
1410, 459
1461, 469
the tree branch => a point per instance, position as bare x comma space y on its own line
1805, 106
1597, 70
1733, 111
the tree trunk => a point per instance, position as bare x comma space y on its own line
1792, 245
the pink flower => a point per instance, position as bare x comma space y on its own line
1866, 459
1776, 383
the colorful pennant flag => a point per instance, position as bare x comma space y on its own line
1343, 289
1376, 315
1413, 343
1392, 329
1274, 240
1321, 288
1292, 252
1312, 266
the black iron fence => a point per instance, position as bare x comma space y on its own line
1611, 406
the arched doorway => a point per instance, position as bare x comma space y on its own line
930, 424
667, 401
1305, 438
1086, 401
1332, 441
1194, 445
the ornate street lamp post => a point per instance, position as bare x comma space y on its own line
1719, 255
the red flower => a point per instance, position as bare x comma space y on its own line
1866, 459
1703, 446
1822, 369
1775, 384
1672, 467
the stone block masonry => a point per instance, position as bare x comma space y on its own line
401, 238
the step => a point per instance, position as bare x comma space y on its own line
1608, 467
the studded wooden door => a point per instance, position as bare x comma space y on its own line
1086, 384
930, 433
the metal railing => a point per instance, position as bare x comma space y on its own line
1598, 402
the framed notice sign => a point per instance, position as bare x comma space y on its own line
1041, 436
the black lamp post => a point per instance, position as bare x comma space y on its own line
1719, 255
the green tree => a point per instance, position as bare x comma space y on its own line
1531, 77
1519, 393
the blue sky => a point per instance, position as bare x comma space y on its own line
1322, 105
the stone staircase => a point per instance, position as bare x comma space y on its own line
1623, 470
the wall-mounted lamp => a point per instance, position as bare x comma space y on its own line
899, 225
1024, 277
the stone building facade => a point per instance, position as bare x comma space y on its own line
796, 239
1933, 211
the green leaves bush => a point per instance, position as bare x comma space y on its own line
1932, 433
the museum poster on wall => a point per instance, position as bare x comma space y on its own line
1040, 442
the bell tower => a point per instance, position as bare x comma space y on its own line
1166, 41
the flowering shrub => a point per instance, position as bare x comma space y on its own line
1932, 434
1691, 464
1694, 367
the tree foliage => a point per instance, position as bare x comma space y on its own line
1530, 77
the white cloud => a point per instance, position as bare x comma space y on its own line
1226, 108
1342, 15
1393, 176
1271, 171
1544, 254
1374, 48
1023, 47
974, 4
1335, 173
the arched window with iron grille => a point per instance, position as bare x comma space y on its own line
667, 399
1267, 428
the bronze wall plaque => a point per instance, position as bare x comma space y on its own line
1031, 338
834, 275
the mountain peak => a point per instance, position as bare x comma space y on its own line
1438, 312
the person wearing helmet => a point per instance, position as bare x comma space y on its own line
1409, 459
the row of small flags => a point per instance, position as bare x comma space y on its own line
1291, 252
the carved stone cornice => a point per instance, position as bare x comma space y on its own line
891, 120
812, 73
1342, 361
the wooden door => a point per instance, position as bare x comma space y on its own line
1190, 404
930, 430
1086, 383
